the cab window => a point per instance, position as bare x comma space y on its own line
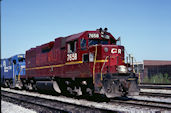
85, 57
71, 46
83, 43
94, 42
14, 61
112, 41
21, 59
104, 42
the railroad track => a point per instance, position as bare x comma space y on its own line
155, 90
155, 94
42, 105
151, 95
50, 105
155, 86
155, 83
65, 104
144, 103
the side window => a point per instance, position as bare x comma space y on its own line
85, 57
71, 46
112, 41
9, 62
14, 61
83, 43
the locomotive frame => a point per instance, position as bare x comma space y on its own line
81, 64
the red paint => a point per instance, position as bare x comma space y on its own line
40, 59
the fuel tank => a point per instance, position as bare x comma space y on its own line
49, 86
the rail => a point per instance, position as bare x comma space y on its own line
65, 103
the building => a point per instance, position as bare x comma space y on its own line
150, 68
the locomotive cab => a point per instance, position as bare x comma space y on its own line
105, 61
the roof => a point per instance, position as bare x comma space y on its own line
156, 62
74, 36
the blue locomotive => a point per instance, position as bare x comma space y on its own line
11, 70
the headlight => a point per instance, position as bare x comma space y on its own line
106, 49
107, 37
122, 69
23, 66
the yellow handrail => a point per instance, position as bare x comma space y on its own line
94, 64
139, 78
105, 62
103, 67
19, 74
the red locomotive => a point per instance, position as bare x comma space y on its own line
82, 64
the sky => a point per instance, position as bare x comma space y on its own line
143, 25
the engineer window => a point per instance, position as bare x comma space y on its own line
113, 42
21, 59
94, 42
83, 43
85, 57
72, 46
14, 62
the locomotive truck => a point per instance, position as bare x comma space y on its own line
86, 63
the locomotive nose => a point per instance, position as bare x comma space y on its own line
114, 55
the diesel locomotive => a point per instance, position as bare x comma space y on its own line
80, 64
12, 69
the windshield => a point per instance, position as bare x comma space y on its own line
94, 42
104, 42
21, 59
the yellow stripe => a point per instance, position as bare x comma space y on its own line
60, 65
101, 60
43, 67
76, 62
131, 78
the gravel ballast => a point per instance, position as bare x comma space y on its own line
7, 107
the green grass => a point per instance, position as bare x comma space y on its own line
158, 78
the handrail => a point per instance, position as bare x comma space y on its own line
104, 64
19, 74
94, 64
103, 67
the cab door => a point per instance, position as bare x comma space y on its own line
84, 57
